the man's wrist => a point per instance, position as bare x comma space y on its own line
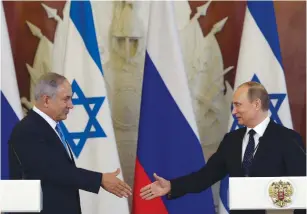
169, 194
101, 183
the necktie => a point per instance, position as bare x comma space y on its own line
60, 132
249, 152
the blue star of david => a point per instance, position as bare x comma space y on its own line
92, 123
273, 109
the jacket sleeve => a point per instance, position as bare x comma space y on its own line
43, 163
213, 171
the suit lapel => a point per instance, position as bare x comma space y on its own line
49, 132
264, 142
238, 150
71, 154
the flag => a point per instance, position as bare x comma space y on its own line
11, 111
88, 129
168, 141
260, 61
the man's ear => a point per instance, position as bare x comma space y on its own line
258, 104
46, 100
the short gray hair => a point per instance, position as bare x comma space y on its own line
257, 91
48, 85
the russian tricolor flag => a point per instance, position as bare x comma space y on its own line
168, 141
11, 111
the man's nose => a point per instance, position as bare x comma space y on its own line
70, 105
234, 110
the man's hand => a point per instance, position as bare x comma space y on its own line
156, 189
114, 185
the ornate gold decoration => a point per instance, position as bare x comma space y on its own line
281, 192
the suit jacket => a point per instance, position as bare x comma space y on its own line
36, 152
280, 153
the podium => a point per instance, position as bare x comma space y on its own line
275, 194
20, 196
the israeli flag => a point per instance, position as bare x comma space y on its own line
88, 129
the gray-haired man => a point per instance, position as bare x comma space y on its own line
38, 150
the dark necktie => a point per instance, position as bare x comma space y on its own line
249, 153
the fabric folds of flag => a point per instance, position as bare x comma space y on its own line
260, 61
11, 111
168, 142
88, 129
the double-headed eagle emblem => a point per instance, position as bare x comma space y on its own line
281, 192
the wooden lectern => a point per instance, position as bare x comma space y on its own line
274, 194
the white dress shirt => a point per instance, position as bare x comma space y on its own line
52, 123
259, 129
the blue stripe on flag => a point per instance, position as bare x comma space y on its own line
8, 120
264, 15
81, 15
165, 137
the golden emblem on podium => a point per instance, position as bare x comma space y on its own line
281, 192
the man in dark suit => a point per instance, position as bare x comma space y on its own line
38, 150
261, 149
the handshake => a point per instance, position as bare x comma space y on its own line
114, 185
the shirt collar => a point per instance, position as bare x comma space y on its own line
48, 119
261, 127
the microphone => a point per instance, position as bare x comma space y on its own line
255, 150
298, 145
23, 177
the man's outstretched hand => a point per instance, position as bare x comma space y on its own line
113, 184
156, 189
